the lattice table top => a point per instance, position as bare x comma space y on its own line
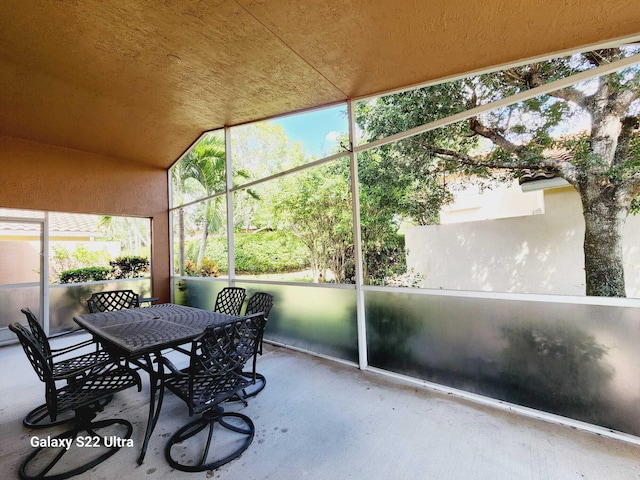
137, 331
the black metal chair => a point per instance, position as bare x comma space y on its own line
213, 376
67, 456
229, 301
113, 300
259, 302
62, 366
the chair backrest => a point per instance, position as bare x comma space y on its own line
113, 300
36, 356
38, 333
259, 302
229, 301
219, 354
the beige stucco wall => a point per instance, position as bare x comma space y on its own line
44, 177
529, 254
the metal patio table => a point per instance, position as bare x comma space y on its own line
140, 334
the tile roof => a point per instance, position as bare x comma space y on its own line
70, 223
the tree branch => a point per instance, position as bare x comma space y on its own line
570, 94
559, 163
632, 185
535, 79
630, 127
625, 98
495, 136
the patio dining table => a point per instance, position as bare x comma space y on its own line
141, 334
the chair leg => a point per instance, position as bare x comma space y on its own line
57, 463
185, 446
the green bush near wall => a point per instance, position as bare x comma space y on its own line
87, 274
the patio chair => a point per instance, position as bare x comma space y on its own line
229, 301
82, 395
113, 300
217, 356
65, 368
259, 302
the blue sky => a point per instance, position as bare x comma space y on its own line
316, 129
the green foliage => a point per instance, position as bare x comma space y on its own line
315, 205
87, 274
129, 267
62, 259
269, 252
256, 253
132, 233
121, 267
207, 268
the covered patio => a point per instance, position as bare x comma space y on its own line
319, 419
100, 99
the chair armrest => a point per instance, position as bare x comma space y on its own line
68, 332
56, 352
147, 300
182, 350
169, 364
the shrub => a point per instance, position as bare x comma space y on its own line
87, 274
129, 267
62, 259
269, 252
207, 269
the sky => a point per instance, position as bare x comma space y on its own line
318, 130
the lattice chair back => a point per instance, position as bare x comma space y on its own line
113, 300
226, 347
40, 363
259, 302
229, 301
38, 334
219, 353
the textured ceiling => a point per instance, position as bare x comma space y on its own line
142, 80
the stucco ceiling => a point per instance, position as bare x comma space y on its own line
142, 80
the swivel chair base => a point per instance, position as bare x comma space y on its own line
180, 446
255, 388
47, 462
39, 417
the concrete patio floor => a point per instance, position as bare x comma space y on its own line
319, 419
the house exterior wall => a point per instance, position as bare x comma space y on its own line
531, 254
45, 177
500, 201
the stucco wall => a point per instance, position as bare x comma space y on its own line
531, 254
44, 177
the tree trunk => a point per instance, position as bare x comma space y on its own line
203, 240
604, 218
181, 237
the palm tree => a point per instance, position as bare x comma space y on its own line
205, 164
